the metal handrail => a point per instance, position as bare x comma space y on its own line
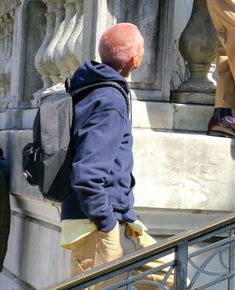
142, 256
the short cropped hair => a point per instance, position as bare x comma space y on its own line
118, 44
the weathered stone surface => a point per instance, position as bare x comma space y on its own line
35, 256
145, 114
191, 117
193, 97
28, 118
152, 115
184, 171
10, 119
9, 281
12, 143
173, 170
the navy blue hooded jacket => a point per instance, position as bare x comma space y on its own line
102, 181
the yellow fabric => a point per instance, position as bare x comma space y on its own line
74, 230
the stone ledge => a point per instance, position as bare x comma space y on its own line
47, 211
184, 171
10, 281
159, 221
145, 114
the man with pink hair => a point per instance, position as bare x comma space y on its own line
99, 223
122, 48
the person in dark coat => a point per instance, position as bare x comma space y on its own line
5, 212
99, 223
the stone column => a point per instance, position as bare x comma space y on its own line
39, 61
197, 46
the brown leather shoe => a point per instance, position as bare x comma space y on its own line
223, 128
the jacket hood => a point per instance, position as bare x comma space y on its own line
91, 72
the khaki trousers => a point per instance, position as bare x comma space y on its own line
223, 17
98, 248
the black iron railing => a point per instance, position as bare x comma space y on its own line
207, 253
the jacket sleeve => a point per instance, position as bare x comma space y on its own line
96, 145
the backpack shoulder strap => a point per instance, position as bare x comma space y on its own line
102, 85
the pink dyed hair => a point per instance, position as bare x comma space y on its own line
118, 44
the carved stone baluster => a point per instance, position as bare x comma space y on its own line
197, 46
8, 66
49, 56
39, 63
70, 18
75, 41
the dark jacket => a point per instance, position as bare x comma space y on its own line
5, 212
102, 181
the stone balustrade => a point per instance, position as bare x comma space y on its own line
60, 52
50, 38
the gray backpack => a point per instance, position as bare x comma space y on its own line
47, 161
